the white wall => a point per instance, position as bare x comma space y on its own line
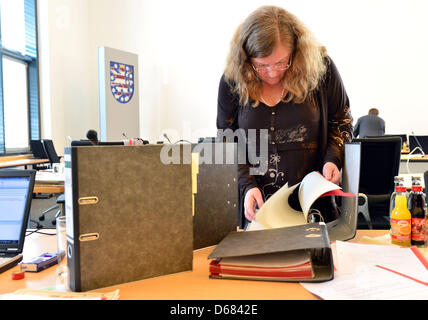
379, 47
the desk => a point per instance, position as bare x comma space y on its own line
49, 182
22, 162
417, 163
181, 286
48, 188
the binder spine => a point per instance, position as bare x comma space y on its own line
73, 242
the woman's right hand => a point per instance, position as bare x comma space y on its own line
252, 199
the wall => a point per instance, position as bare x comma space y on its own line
379, 47
68, 100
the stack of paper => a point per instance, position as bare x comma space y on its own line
278, 266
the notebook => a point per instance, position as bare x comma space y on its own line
16, 188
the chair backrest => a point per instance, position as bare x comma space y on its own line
418, 141
403, 137
50, 150
380, 163
38, 150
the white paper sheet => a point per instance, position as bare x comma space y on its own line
353, 256
357, 275
370, 283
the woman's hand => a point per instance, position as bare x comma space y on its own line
253, 198
331, 172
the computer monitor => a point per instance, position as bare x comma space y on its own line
111, 143
80, 143
418, 141
16, 191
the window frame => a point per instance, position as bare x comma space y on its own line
33, 86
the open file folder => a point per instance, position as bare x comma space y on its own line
300, 253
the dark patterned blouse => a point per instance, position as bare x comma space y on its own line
301, 137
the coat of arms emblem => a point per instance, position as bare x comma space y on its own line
121, 81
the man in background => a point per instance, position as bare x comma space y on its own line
370, 125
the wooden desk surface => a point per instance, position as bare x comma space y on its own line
414, 158
49, 182
22, 162
186, 285
48, 188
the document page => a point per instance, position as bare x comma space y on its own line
360, 274
311, 188
353, 256
270, 260
372, 283
276, 212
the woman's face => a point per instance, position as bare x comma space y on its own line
271, 69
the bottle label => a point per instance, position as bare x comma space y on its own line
401, 229
418, 229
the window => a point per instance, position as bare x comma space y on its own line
19, 84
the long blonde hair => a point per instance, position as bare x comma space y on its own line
257, 37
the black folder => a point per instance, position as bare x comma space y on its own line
129, 215
216, 199
312, 239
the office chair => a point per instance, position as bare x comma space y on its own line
60, 201
380, 163
402, 136
39, 152
50, 151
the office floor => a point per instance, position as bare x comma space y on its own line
37, 207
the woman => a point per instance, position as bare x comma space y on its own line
279, 78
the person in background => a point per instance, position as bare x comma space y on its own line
278, 77
92, 136
370, 125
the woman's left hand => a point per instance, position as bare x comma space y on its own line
331, 172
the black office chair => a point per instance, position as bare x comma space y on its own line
50, 150
380, 163
403, 137
39, 152
60, 205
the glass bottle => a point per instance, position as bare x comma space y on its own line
418, 209
401, 218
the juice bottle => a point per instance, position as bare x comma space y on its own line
418, 209
401, 218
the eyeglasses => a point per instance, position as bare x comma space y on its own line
280, 66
